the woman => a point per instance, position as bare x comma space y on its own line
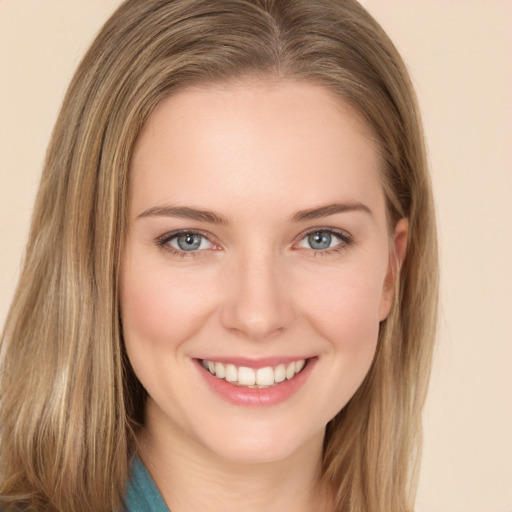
228, 297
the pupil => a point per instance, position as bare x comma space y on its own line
320, 240
189, 242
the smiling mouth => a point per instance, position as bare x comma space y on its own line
260, 378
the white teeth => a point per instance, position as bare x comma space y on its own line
265, 376
280, 373
220, 370
231, 373
260, 378
246, 376
299, 365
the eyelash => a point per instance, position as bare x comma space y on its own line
346, 240
163, 243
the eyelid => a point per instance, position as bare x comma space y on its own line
163, 242
346, 238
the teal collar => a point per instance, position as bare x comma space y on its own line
142, 494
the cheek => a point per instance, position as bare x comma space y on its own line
160, 309
346, 318
346, 312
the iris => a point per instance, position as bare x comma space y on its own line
189, 241
320, 240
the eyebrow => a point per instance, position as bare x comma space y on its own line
184, 212
330, 209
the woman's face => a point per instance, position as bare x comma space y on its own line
258, 248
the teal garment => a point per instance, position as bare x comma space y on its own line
141, 492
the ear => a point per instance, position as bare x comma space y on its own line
397, 252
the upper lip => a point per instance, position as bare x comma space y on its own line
256, 363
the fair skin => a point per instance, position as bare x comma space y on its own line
257, 238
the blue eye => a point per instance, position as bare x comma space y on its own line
188, 241
323, 240
320, 240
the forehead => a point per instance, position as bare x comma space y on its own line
252, 142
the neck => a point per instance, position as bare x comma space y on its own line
191, 477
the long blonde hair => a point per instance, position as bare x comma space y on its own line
70, 404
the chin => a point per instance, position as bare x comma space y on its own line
260, 444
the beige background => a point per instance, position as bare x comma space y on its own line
459, 53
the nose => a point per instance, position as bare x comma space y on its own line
258, 301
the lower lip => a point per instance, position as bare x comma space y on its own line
254, 397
